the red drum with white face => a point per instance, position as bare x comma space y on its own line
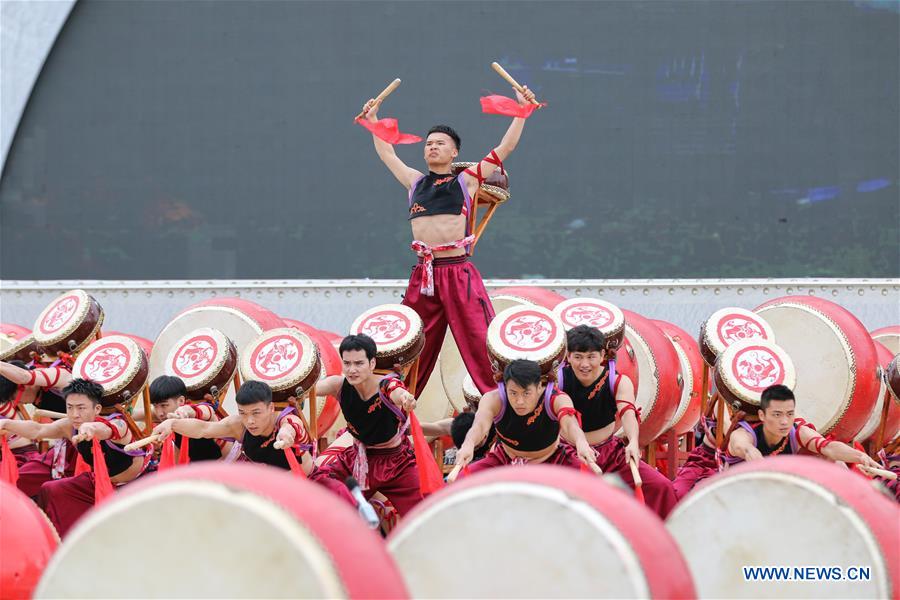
837, 379
398, 332
605, 316
28, 541
262, 533
471, 394
13, 331
892, 425
746, 368
17, 348
729, 325
788, 511
285, 359
889, 336
327, 408
690, 365
145, 344
205, 360
68, 324
526, 332
657, 396
524, 295
537, 532
240, 320
117, 363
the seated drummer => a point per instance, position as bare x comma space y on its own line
167, 396
603, 398
701, 462
779, 432
66, 500
38, 385
529, 415
256, 426
381, 457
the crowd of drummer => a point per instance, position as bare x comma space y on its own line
570, 419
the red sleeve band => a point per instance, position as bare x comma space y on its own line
566, 411
628, 406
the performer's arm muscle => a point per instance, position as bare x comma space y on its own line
55, 377
570, 430
329, 386
507, 144
832, 450
488, 409
437, 429
741, 445
230, 426
405, 174
36, 431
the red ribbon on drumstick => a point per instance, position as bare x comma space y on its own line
296, 468
103, 487
9, 470
387, 130
430, 478
509, 107
184, 452
638, 483
167, 456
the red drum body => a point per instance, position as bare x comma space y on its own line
579, 536
68, 324
892, 424
145, 344
814, 513
118, 364
729, 325
658, 395
691, 372
15, 332
28, 541
315, 545
328, 408
205, 360
527, 332
889, 336
837, 379
503, 298
746, 368
285, 359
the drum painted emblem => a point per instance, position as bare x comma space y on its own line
195, 356
757, 367
587, 313
734, 328
276, 357
60, 314
528, 331
385, 327
105, 363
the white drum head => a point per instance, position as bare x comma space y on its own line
748, 367
113, 362
732, 324
526, 332
199, 357
63, 316
397, 330
282, 358
605, 316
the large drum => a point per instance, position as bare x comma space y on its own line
837, 379
690, 369
657, 395
240, 320
206, 360
495, 187
530, 332
27, 539
893, 376
729, 325
471, 394
143, 342
889, 336
605, 316
261, 533
16, 344
746, 368
892, 425
286, 359
789, 512
327, 408
398, 332
524, 295
537, 532
68, 324
118, 364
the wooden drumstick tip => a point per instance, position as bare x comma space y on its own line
278, 445
885, 474
596, 469
384, 94
141, 443
511, 80
635, 474
451, 477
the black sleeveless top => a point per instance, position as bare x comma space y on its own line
48, 399
782, 447
261, 449
595, 402
372, 421
201, 448
436, 194
116, 459
534, 431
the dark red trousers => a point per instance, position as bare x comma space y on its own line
392, 471
700, 464
37, 469
460, 301
66, 500
659, 493
497, 457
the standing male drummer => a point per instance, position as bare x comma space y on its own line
603, 397
444, 288
529, 416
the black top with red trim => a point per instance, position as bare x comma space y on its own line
372, 421
261, 449
437, 194
201, 448
537, 430
114, 454
783, 447
595, 402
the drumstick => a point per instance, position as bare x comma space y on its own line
876, 471
278, 444
509, 78
141, 443
451, 477
597, 470
380, 97
50, 414
638, 483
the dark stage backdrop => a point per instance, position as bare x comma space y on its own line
682, 139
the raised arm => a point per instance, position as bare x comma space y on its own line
832, 450
405, 175
741, 445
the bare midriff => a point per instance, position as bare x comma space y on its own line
535, 456
598, 436
436, 230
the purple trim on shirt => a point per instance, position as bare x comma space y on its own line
412, 188
548, 401
501, 389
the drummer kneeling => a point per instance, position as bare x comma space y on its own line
167, 397
529, 416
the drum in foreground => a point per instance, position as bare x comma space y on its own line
68, 324
27, 541
260, 533
536, 532
871, 430
788, 511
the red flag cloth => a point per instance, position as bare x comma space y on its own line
103, 487
501, 105
389, 131
81, 465
9, 470
639, 494
296, 469
430, 478
167, 456
184, 453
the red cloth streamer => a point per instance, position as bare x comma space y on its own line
184, 452
167, 456
103, 487
501, 105
296, 469
81, 465
389, 131
9, 470
430, 478
639, 494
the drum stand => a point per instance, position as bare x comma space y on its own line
478, 228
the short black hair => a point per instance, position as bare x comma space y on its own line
523, 372
359, 341
166, 387
460, 427
446, 129
775, 392
8, 389
88, 388
253, 391
585, 338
